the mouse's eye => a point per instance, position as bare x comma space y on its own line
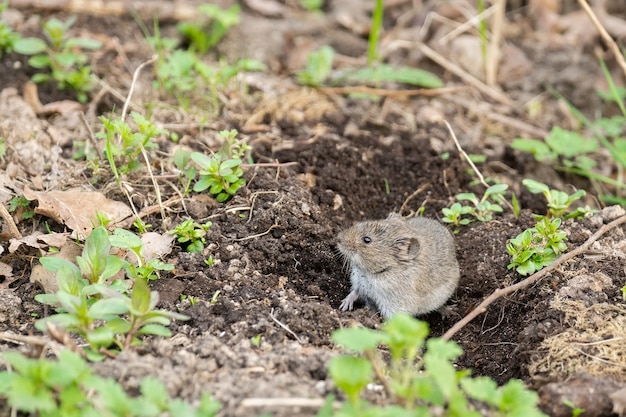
367, 239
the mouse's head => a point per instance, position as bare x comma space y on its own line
377, 246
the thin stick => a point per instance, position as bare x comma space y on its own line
132, 84
466, 156
284, 326
462, 74
500, 292
492, 56
415, 193
4, 213
605, 35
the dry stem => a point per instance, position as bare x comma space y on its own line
605, 35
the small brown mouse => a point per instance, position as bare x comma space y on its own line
399, 265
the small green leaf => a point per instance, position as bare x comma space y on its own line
29, 46
538, 148
140, 297
358, 339
155, 329
351, 374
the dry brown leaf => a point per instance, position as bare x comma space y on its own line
77, 209
47, 279
269, 8
39, 240
156, 245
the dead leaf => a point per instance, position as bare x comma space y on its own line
77, 209
6, 272
61, 107
269, 8
39, 240
47, 279
156, 245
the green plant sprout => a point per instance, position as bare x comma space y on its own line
221, 173
481, 209
183, 73
20, 206
186, 170
68, 387
62, 56
537, 247
319, 65
192, 234
312, 5
558, 201
211, 28
124, 143
421, 376
573, 153
8, 38
90, 306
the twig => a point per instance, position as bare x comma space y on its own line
605, 35
284, 326
374, 360
466, 156
491, 112
500, 292
134, 82
416, 192
257, 235
4, 213
491, 69
462, 74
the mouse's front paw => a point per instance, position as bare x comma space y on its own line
348, 302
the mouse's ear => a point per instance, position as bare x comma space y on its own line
406, 248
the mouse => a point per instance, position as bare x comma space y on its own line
399, 265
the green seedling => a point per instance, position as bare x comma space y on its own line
20, 206
8, 38
209, 261
576, 411
221, 173
421, 376
558, 201
377, 24
182, 72
537, 247
483, 209
98, 310
186, 170
192, 234
312, 5
68, 387
569, 149
256, 340
455, 215
374, 75
62, 56
125, 143
319, 65
573, 153
140, 269
192, 300
214, 23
